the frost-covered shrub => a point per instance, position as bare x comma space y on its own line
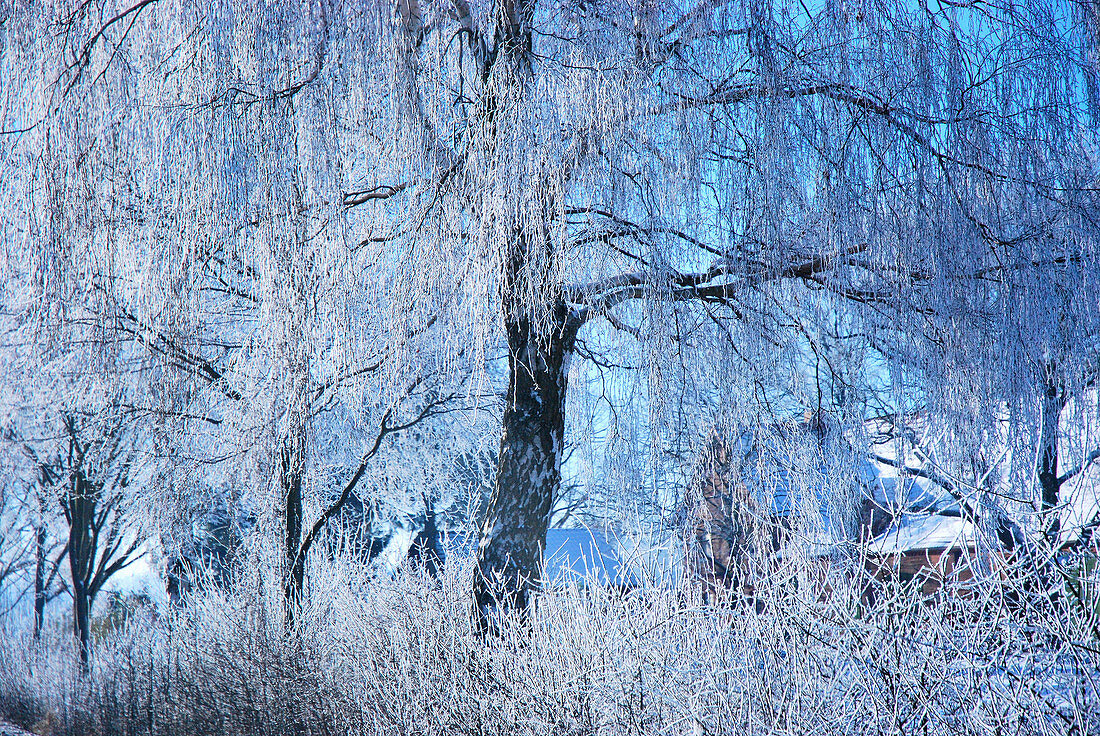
399, 656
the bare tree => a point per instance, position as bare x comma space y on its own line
96, 498
49, 550
14, 555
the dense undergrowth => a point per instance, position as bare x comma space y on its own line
398, 656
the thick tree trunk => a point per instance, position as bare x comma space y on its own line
291, 460
540, 343
39, 579
529, 468
1052, 402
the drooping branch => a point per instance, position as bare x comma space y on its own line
411, 36
929, 475
239, 95
1080, 468
84, 57
626, 227
656, 49
460, 13
902, 119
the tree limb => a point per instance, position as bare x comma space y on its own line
598, 297
1089, 460
385, 428
382, 191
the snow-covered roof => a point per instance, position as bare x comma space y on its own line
789, 476
584, 556
892, 488
916, 532
785, 467
893, 491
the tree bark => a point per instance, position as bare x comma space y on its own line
528, 472
82, 619
540, 343
291, 460
39, 579
1052, 401
81, 509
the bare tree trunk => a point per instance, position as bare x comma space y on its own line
81, 509
291, 460
83, 624
39, 579
1052, 401
528, 472
425, 551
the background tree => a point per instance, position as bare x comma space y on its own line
32, 515
14, 552
100, 461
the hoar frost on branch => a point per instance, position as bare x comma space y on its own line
296, 207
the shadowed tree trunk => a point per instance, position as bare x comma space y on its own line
540, 339
39, 579
1052, 401
426, 551
40, 558
529, 468
80, 508
291, 460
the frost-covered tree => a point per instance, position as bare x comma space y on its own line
35, 548
76, 433
723, 162
97, 504
15, 545
276, 199
249, 316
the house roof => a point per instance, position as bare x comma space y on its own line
582, 556
900, 492
578, 556
921, 532
784, 466
1081, 505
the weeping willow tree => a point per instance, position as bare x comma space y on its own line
715, 176
699, 184
169, 220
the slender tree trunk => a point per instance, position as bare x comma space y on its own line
82, 622
529, 468
81, 508
425, 551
